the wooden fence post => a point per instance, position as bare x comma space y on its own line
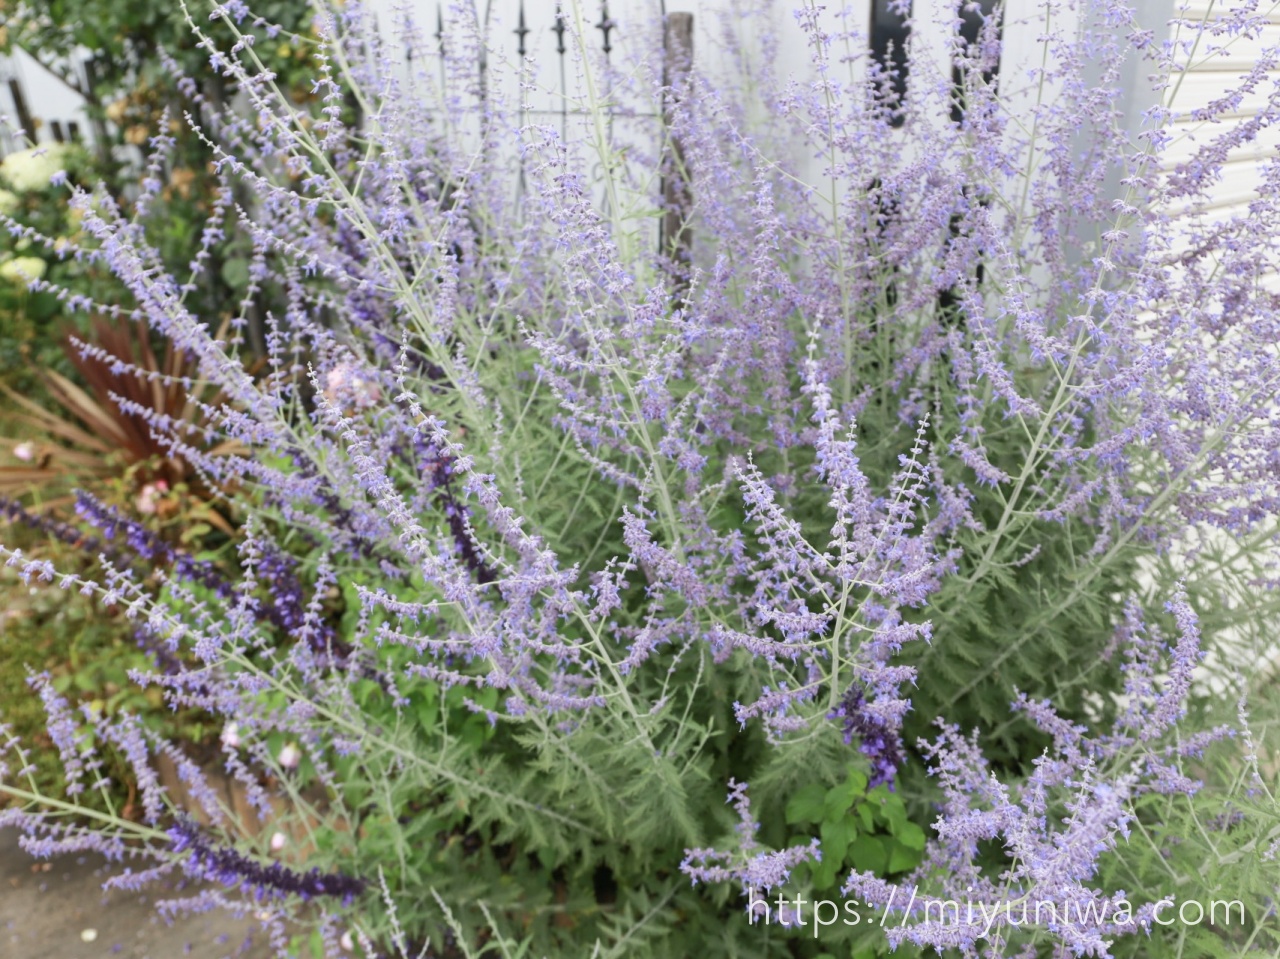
677, 44
25, 120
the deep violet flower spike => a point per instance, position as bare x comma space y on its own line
877, 740
205, 860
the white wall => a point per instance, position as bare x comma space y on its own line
48, 99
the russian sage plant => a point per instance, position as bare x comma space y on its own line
887, 496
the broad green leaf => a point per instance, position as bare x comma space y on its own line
823, 873
856, 783
839, 799
892, 812
806, 805
235, 272
427, 711
865, 814
836, 836
911, 836
901, 858
835, 803
868, 853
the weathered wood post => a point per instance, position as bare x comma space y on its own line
25, 120
676, 237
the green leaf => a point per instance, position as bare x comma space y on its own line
42, 306
911, 836
835, 804
195, 532
856, 783
428, 712
839, 799
823, 873
901, 858
235, 272
868, 853
474, 734
806, 805
867, 817
891, 811
836, 836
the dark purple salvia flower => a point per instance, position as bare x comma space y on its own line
55, 529
144, 544
203, 859
877, 740
282, 607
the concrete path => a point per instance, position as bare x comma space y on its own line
57, 910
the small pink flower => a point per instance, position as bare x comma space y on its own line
278, 841
25, 451
231, 735
345, 386
149, 497
290, 756
346, 942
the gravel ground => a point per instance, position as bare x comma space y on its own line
56, 909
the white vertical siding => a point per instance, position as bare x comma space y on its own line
48, 99
1214, 68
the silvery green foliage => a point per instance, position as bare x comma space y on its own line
613, 526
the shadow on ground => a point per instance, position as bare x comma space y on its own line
56, 909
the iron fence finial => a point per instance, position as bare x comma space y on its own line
605, 25
521, 31
559, 30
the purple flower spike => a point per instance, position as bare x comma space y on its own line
224, 865
880, 742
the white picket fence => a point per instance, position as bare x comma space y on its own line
532, 62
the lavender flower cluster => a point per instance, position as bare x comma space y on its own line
1053, 829
654, 507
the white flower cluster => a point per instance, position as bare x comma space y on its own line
32, 169
23, 269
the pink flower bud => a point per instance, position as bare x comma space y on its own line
148, 498
345, 386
